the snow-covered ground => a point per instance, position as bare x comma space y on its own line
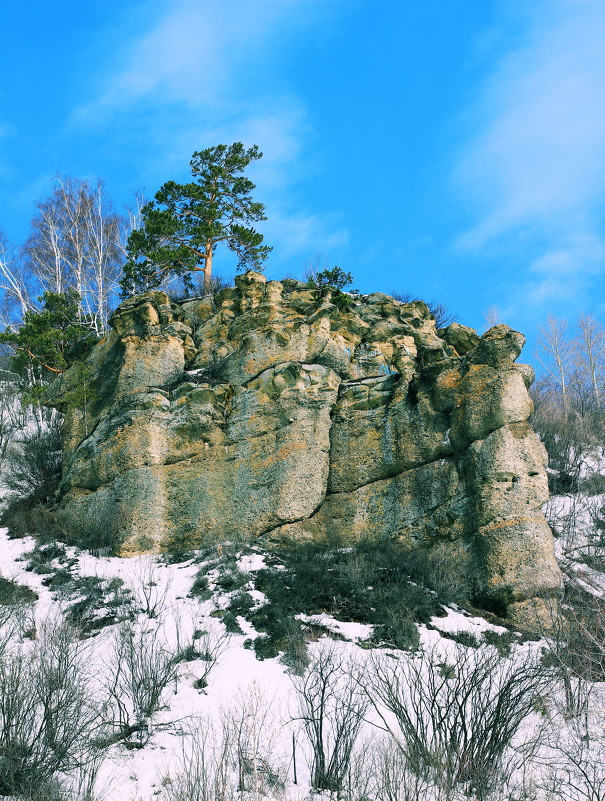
224, 698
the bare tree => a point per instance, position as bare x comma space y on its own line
575, 644
208, 647
575, 769
236, 759
203, 771
15, 284
331, 707
251, 728
568, 400
442, 314
149, 588
76, 242
143, 666
317, 264
391, 778
555, 354
590, 350
491, 316
12, 415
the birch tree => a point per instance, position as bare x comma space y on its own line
14, 286
77, 243
590, 351
555, 354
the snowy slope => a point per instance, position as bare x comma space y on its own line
244, 698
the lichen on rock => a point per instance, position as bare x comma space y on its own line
268, 411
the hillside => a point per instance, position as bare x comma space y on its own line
298, 551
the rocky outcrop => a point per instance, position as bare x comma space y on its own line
276, 411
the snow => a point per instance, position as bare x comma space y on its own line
258, 696
456, 621
348, 630
164, 589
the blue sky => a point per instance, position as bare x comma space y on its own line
454, 149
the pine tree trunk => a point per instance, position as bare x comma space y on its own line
208, 265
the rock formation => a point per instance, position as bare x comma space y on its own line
276, 411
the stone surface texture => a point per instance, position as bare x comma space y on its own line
275, 411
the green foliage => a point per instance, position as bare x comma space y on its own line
240, 605
444, 568
200, 588
502, 642
42, 557
335, 278
12, 593
184, 223
98, 603
466, 638
368, 583
82, 393
32, 474
232, 579
51, 339
592, 484
35, 465
92, 602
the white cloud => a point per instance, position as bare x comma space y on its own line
563, 273
305, 234
534, 169
190, 53
202, 72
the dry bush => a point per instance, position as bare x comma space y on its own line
251, 728
574, 770
575, 647
12, 414
142, 668
202, 772
149, 588
456, 722
234, 759
331, 707
49, 722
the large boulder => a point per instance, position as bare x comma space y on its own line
274, 411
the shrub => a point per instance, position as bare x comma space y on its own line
336, 278
32, 474
466, 638
455, 723
200, 588
34, 463
501, 642
368, 583
143, 667
12, 593
194, 287
239, 606
48, 719
443, 568
331, 707
100, 602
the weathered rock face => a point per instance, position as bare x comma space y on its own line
270, 411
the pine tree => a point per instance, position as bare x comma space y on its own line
184, 223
